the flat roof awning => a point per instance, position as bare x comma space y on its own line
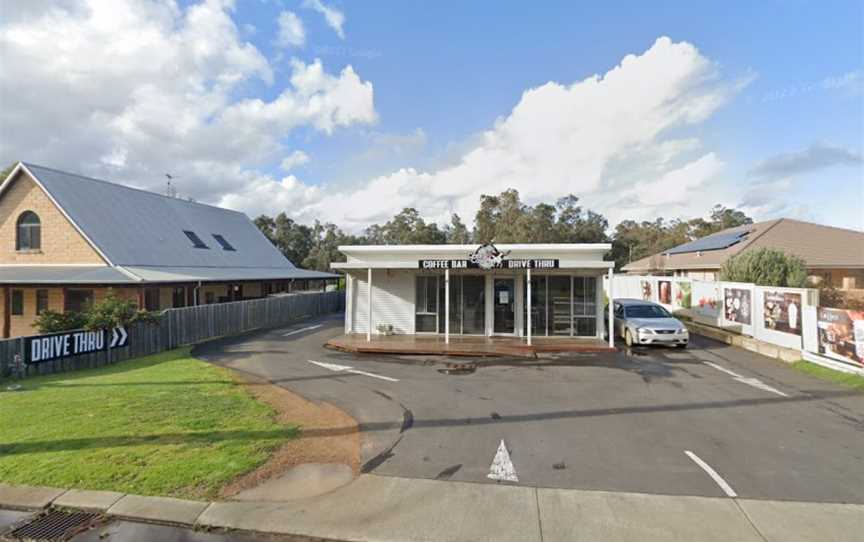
563, 264
79, 274
63, 274
211, 274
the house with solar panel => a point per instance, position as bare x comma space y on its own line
67, 241
833, 256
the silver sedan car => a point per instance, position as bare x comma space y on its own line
644, 322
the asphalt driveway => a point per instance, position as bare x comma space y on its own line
712, 420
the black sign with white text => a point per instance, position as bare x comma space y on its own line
536, 263
43, 348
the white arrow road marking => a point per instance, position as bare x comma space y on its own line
502, 468
722, 369
727, 489
755, 382
301, 330
349, 369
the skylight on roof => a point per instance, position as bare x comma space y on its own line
222, 241
196, 241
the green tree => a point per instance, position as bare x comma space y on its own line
766, 267
5, 173
456, 233
406, 228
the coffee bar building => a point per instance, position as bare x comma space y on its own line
523, 292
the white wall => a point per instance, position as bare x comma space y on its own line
392, 301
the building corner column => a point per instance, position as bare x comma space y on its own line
528, 297
446, 306
611, 326
369, 298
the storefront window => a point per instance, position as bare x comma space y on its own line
426, 305
584, 306
474, 305
539, 313
560, 308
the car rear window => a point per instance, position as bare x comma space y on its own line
647, 311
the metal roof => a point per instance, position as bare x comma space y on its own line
187, 274
62, 274
132, 227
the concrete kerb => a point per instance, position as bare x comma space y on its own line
389, 508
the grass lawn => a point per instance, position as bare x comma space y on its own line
166, 424
846, 379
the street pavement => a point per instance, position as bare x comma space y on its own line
711, 421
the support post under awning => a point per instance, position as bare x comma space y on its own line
369, 297
446, 306
611, 326
528, 297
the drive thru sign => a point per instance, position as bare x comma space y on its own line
63, 345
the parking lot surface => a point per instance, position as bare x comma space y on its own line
712, 420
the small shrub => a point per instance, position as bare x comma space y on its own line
54, 322
113, 312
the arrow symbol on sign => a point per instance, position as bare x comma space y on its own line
118, 337
502, 469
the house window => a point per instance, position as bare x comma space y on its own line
17, 302
196, 241
151, 299
41, 301
209, 298
29, 232
178, 297
225, 244
78, 300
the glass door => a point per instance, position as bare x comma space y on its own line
504, 306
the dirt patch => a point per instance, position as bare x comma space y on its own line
327, 435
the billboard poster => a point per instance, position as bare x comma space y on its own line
664, 291
841, 334
646, 290
737, 306
684, 295
782, 312
707, 300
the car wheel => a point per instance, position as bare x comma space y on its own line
628, 338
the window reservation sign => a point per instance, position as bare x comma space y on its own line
43, 348
504, 264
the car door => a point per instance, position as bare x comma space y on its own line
619, 319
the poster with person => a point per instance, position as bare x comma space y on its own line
782, 312
737, 306
646, 290
664, 291
841, 334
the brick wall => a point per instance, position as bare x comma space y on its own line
61, 242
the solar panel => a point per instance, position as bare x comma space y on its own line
717, 241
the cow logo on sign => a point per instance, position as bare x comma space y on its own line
488, 256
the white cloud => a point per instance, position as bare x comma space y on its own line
813, 158
334, 17
604, 138
296, 158
131, 89
291, 31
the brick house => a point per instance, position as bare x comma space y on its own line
833, 256
66, 241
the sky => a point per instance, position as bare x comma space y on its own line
348, 111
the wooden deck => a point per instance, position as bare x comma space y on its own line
465, 346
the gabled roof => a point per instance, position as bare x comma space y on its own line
819, 246
135, 228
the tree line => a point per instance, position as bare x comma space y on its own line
504, 218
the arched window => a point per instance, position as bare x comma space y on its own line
29, 233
